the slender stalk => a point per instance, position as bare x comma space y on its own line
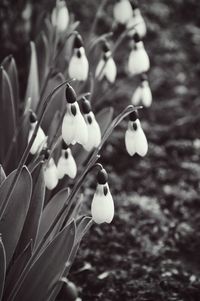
98, 14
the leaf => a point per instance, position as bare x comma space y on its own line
33, 79
14, 215
2, 267
50, 212
16, 269
58, 102
2, 174
40, 281
104, 118
42, 47
82, 226
7, 113
11, 69
31, 224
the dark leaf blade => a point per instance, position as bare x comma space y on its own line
31, 224
16, 269
50, 212
11, 69
32, 90
14, 215
2, 267
7, 113
40, 282
42, 47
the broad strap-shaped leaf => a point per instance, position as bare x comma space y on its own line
43, 52
104, 118
11, 69
2, 267
33, 79
58, 101
2, 174
14, 213
48, 267
7, 113
31, 224
50, 212
16, 269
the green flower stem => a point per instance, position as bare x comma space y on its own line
98, 14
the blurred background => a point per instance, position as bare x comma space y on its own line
151, 249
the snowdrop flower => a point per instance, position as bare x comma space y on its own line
137, 23
50, 174
138, 61
102, 207
135, 139
142, 94
106, 66
40, 139
94, 132
74, 129
122, 11
66, 163
78, 65
60, 16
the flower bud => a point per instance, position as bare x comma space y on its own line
78, 64
142, 94
138, 61
60, 16
94, 132
122, 11
106, 68
50, 174
40, 140
66, 165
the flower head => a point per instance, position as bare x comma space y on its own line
142, 94
74, 129
138, 61
60, 16
50, 174
40, 140
106, 67
122, 11
135, 139
78, 65
137, 23
66, 163
94, 132
102, 207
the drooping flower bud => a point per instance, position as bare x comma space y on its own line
136, 23
94, 132
106, 68
122, 11
135, 139
60, 16
66, 164
40, 140
74, 129
142, 94
50, 174
138, 61
78, 65
102, 207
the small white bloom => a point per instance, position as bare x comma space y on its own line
138, 61
122, 11
50, 174
40, 139
102, 207
137, 24
60, 16
106, 68
94, 132
135, 139
66, 165
78, 65
142, 95
74, 129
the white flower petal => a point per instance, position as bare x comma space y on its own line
68, 127
102, 207
79, 67
138, 60
67, 166
94, 133
122, 11
111, 70
141, 144
50, 175
80, 131
137, 95
138, 24
129, 142
40, 139
146, 95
